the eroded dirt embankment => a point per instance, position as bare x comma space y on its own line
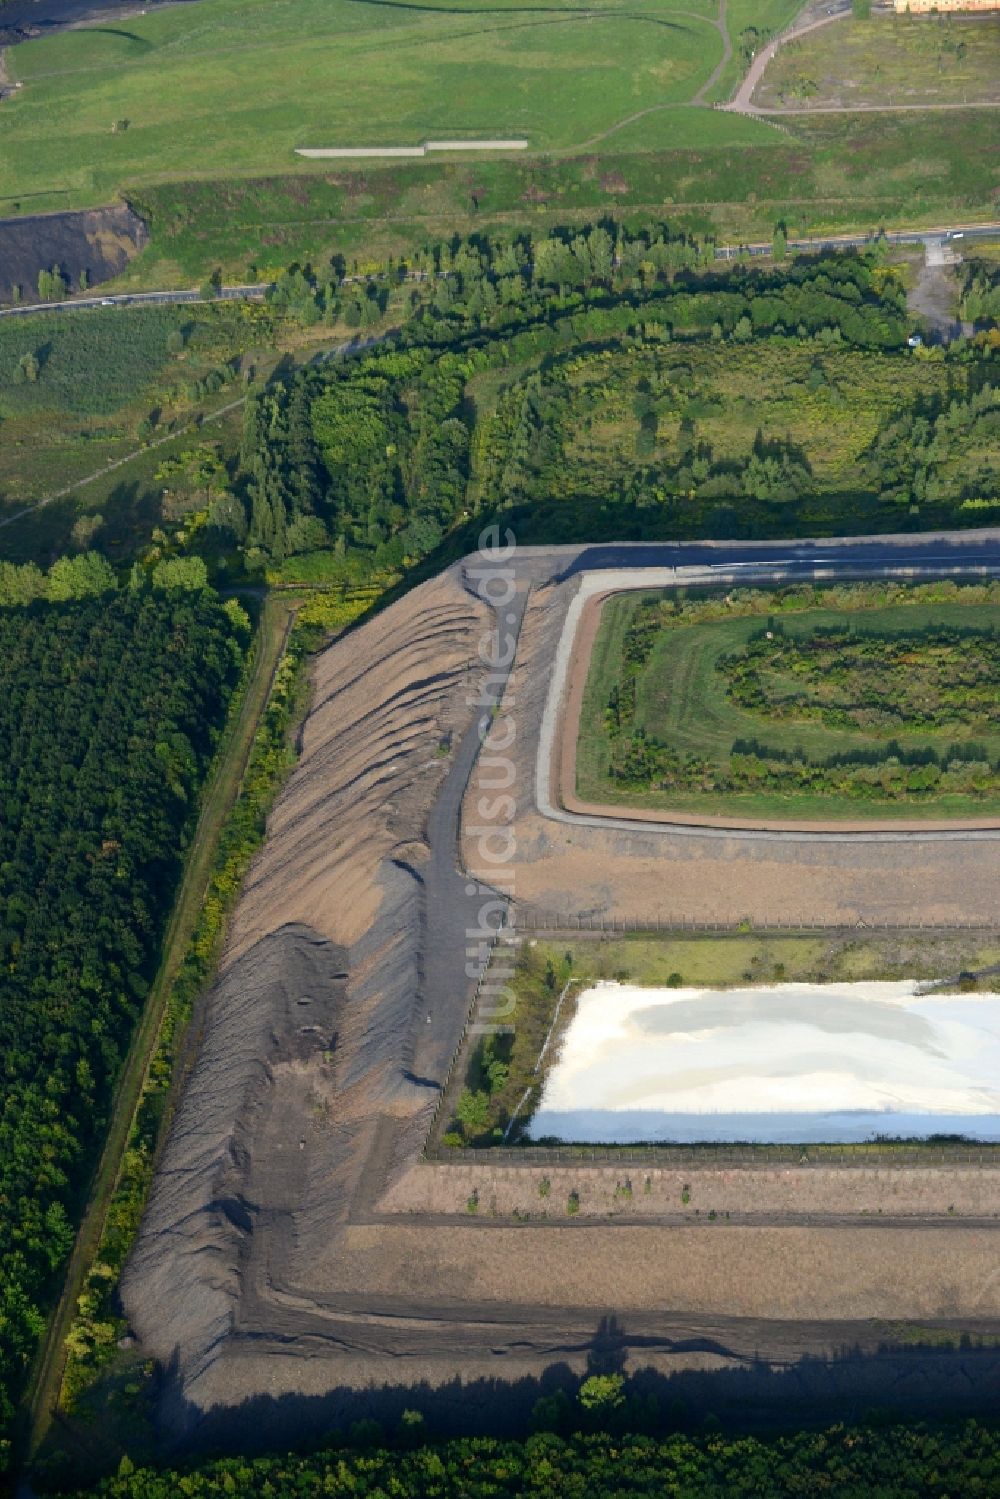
306, 1036
99, 242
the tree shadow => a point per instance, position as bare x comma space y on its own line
907, 1374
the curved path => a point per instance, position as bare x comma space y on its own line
727, 52
900, 557
742, 100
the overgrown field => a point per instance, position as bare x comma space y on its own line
499, 1077
79, 389
930, 59
874, 700
708, 172
595, 385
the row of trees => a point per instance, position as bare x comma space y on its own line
91, 576
110, 707
918, 1461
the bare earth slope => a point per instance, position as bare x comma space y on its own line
307, 1032
100, 241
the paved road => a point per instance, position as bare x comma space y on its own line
634, 565
459, 913
958, 234
255, 293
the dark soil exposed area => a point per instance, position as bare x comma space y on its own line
100, 241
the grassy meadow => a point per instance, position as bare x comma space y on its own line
681, 700
706, 172
231, 87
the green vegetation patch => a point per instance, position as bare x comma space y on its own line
709, 172
931, 59
236, 89
594, 384
941, 676
872, 701
81, 388
617, 1447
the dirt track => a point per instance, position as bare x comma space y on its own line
317, 1015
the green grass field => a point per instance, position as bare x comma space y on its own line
766, 18
888, 60
681, 701
704, 171
231, 87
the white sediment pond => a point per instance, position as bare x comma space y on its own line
788, 1062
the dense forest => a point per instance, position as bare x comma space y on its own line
111, 704
602, 381
904, 1462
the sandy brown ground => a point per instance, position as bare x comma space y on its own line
383, 700
306, 1037
806, 1273
540, 1193
568, 872
277, 1290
